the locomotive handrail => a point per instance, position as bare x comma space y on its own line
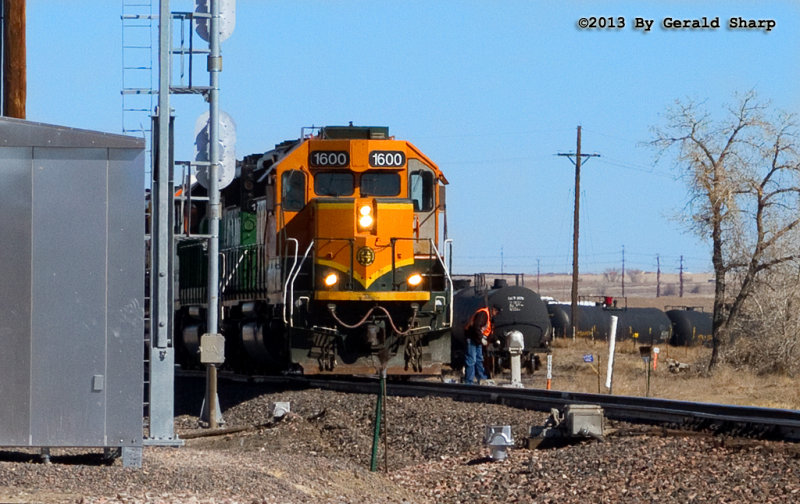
448, 257
289, 275
224, 286
447, 275
291, 284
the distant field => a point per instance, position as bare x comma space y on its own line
640, 288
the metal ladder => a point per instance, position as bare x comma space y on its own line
138, 31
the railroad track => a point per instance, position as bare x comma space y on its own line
743, 421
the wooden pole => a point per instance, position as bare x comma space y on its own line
575, 232
14, 59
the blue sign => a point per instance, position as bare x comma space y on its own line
588, 358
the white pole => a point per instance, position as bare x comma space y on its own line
515, 342
516, 370
612, 342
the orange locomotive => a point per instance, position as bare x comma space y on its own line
333, 259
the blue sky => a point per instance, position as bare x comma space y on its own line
490, 90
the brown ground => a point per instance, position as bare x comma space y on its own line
725, 385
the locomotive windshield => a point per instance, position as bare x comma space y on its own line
380, 183
293, 193
333, 184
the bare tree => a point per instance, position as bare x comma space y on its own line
743, 177
636, 275
772, 321
611, 275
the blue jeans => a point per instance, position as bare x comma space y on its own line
473, 362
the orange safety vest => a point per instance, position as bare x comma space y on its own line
487, 330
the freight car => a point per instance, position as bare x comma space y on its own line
678, 326
646, 325
520, 309
690, 326
332, 259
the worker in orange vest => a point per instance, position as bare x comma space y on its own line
478, 332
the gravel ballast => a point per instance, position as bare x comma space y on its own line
321, 451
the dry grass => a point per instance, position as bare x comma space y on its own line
725, 385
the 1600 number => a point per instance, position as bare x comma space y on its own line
328, 158
387, 158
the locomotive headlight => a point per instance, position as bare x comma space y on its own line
331, 279
414, 280
365, 220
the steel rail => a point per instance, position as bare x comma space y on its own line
747, 421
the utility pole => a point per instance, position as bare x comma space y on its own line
575, 227
502, 261
14, 58
681, 278
623, 271
658, 275
538, 274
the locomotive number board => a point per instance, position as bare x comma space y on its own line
328, 159
380, 158
341, 159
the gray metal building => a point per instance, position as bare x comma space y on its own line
71, 288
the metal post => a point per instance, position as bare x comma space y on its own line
373, 466
598, 372
212, 392
162, 357
214, 68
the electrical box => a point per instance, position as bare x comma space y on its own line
212, 349
583, 420
72, 295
